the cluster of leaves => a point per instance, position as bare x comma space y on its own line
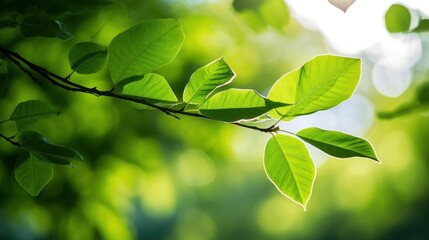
34, 166
132, 56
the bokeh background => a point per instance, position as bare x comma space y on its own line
152, 176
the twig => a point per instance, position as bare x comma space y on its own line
65, 83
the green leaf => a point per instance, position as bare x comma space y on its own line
87, 57
206, 79
398, 19
151, 88
27, 113
144, 48
43, 26
338, 144
322, 83
237, 104
290, 167
44, 150
422, 27
32, 174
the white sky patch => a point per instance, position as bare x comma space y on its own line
362, 30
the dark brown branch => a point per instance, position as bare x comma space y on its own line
65, 83
9, 139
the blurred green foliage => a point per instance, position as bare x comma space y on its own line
154, 177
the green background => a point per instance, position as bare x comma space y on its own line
152, 176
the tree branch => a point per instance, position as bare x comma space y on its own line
65, 83
9, 139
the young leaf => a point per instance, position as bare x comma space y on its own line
41, 148
151, 87
27, 113
236, 104
87, 57
322, 83
206, 79
290, 167
144, 48
43, 26
398, 19
338, 144
32, 174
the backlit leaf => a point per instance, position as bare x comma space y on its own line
27, 113
144, 48
151, 88
87, 57
236, 104
290, 167
338, 144
32, 174
43, 26
398, 19
41, 148
206, 79
322, 83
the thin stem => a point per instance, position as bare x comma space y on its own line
285, 131
65, 83
9, 139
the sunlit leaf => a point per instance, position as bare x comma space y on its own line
27, 113
32, 174
236, 104
43, 26
42, 149
87, 57
290, 167
206, 79
151, 88
422, 27
144, 48
338, 144
343, 5
322, 83
398, 19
